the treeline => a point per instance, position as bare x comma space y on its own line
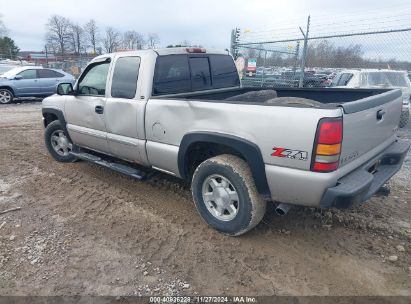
8, 49
65, 37
326, 54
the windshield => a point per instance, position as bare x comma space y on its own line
12, 72
5, 68
384, 79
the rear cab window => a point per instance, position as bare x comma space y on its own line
224, 71
172, 75
200, 73
188, 73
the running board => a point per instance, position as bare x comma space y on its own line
124, 169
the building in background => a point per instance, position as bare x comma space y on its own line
38, 58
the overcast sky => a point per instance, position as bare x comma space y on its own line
200, 22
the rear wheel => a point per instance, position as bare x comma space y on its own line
225, 195
58, 143
6, 96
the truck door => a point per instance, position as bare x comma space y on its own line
84, 110
124, 111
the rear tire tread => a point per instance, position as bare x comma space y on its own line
241, 169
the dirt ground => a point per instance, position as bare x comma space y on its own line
85, 230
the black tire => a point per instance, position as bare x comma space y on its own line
6, 96
250, 206
53, 128
405, 115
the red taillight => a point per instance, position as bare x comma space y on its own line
322, 167
195, 50
327, 148
330, 132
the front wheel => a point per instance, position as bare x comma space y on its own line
6, 96
58, 143
225, 195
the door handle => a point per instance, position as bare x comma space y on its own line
99, 109
380, 114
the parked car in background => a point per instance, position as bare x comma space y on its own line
387, 79
292, 79
31, 81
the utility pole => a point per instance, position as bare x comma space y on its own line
297, 53
304, 58
265, 59
235, 39
47, 57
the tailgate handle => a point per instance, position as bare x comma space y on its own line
380, 114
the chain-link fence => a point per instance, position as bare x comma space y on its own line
375, 56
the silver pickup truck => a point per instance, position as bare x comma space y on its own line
183, 111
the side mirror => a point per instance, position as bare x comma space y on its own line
65, 88
18, 77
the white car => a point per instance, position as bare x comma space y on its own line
372, 78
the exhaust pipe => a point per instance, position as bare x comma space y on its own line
282, 209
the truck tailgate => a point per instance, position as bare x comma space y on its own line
369, 123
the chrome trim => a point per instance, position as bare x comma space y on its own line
87, 131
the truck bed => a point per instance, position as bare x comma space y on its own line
325, 96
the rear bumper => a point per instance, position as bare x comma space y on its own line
364, 182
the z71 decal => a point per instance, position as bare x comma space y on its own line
292, 154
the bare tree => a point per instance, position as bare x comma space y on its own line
92, 34
153, 40
133, 40
3, 28
77, 37
58, 33
140, 41
325, 54
112, 40
185, 43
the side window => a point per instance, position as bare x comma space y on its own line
93, 82
172, 75
124, 83
28, 74
200, 73
45, 73
224, 71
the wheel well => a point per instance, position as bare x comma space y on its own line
198, 146
48, 118
7, 88
200, 151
